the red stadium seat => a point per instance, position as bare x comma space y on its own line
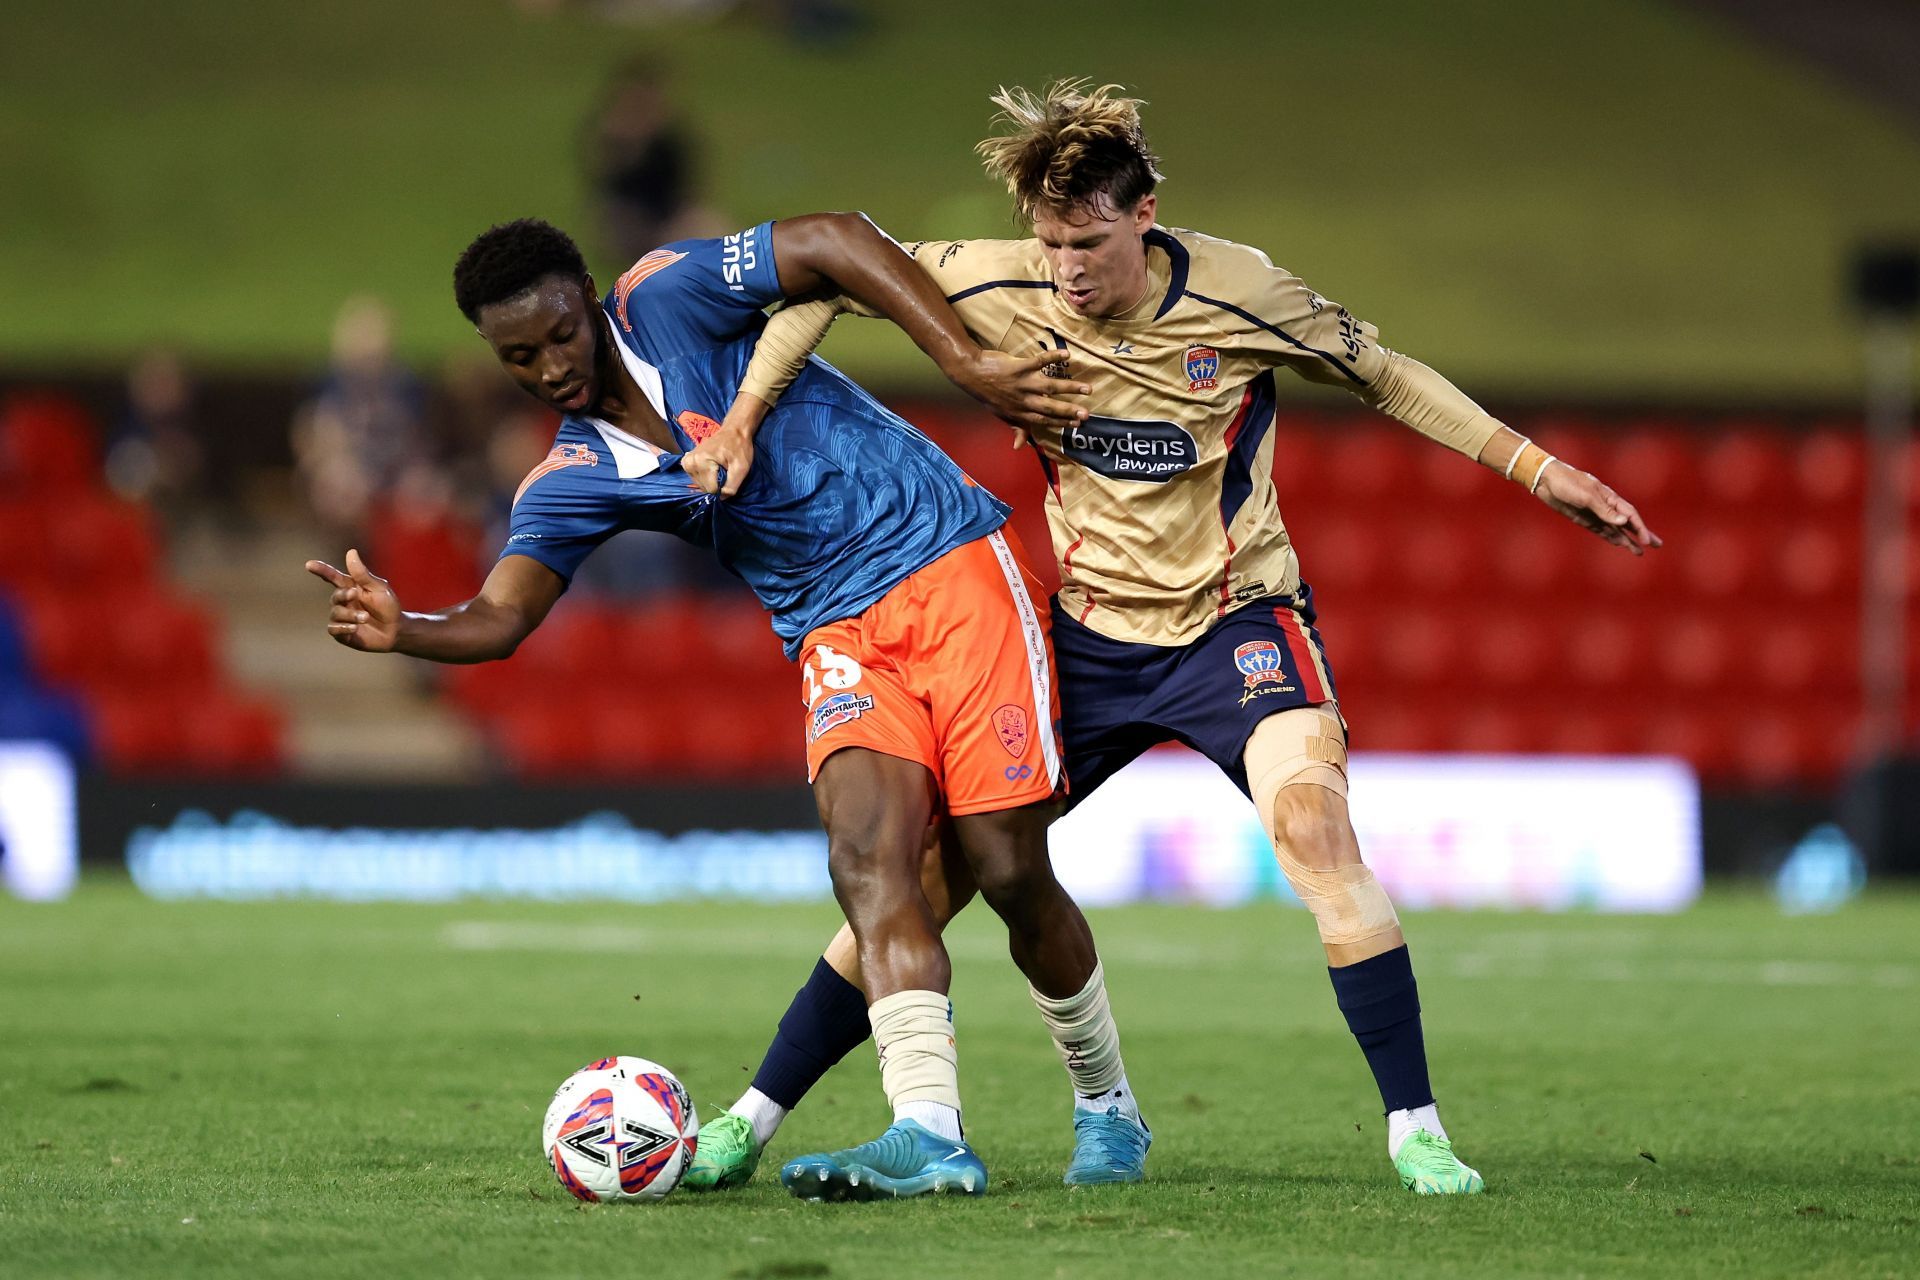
1650, 463
549, 737
1537, 564
1367, 464
1698, 653
1439, 559
1515, 648
98, 540
1422, 646
1494, 730
433, 553
1723, 560
1746, 467
660, 639
1346, 554
484, 689
1829, 466
26, 552
1600, 729
156, 638
48, 443
1609, 650
578, 640
1820, 561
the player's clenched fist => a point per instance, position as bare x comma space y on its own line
365, 613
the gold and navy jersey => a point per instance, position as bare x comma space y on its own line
1162, 504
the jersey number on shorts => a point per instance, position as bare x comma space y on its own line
829, 670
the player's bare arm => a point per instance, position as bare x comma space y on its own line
845, 253
366, 613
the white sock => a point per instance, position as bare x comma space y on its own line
937, 1117
1083, 1031
1121, 1096
1402, 1124
762, 1112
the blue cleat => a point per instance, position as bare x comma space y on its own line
1108, 1147
907, 1160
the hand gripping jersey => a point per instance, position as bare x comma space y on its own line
845, 500
1162, 505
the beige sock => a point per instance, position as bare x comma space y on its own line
913, 1031
1089, 1042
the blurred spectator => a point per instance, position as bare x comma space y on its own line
157, 455
352, 441
645, 183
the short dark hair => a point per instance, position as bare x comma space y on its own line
507, 260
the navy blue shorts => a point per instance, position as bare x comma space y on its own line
1117, 699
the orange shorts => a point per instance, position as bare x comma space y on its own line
953, 669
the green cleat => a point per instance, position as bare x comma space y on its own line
723, 1156
1428, 1166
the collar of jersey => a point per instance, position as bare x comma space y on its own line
632, 456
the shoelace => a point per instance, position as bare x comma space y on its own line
892, 1152
1120, 1143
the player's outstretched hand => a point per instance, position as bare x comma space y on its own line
1025, 391
720, 463
1590, 504
366, 613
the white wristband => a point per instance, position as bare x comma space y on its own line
1535, 486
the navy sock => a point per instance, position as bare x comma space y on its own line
1382, 1005
826, 1021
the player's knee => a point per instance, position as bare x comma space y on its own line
866, 872
1311, 823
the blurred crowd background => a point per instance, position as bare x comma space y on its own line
1633, 229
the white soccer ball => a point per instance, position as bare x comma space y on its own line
620, 1129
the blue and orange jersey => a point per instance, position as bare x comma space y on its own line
845, 499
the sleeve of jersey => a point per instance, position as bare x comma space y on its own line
694, 295
782, 348
1324, 342
561, 516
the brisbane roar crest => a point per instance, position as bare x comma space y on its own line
562, 455
1203, 368
1010, 724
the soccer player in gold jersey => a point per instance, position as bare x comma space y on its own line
1182, 614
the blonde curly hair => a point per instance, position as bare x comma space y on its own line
1073, 146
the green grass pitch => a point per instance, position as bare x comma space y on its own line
305, 1089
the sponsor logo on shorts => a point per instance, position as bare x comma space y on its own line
1010, 724
1261, 670
1019, 772
1203, 368
831, 713
1131, 448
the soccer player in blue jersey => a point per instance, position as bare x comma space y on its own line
926, 663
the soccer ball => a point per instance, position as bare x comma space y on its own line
620, 1129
